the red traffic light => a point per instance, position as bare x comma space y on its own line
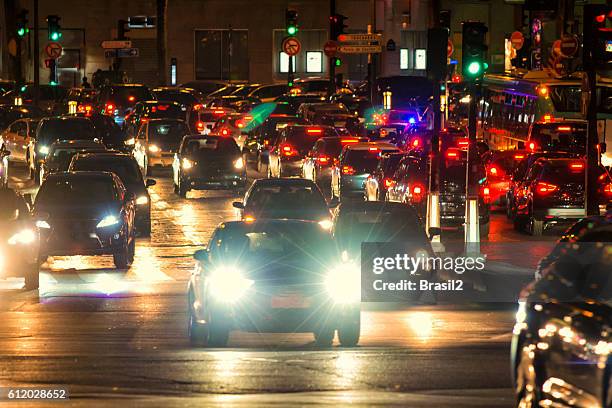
600, 18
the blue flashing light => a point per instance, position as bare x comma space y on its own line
412, 121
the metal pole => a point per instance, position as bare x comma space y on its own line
372, 57
472, 224
332, 67
36, 55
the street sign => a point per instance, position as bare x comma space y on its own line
360, 49
450, 48
127, 52
291, 46
360, 37
517, 40
569, 46
391, 45
330, 48
556, 47
110, 44
53, 50
110, 53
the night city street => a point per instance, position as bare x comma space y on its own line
325, 202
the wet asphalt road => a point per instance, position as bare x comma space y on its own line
119, 337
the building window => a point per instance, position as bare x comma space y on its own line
403, 58
283, 62
314, 61
420, 58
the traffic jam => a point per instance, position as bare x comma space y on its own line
414, 240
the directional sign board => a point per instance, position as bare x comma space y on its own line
116, 44
127, 52
53, 50
291, 46
360, 49
360, 38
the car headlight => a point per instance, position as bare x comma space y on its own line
24, 237
239, 164
228, 284
326, 224
153, 148
186, 163
343, 283
108, 221
43, 149
142, 200
130, 142
42, 224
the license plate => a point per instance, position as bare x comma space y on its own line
294, 301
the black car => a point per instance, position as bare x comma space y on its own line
564, 136
187, 97
560, 354
379, 181
108, 132
147, 110
291, 198
118, 100
19, 239
51, 129
124, 166
62, 151
553, 192
273, 276
206, 87
86, 213
208, 162
11, 113
292, 146
49, 96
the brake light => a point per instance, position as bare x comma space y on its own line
109, 108
345, 141
543, 90
486, 195
452, 154
545, 188
323, 159
219, 112
224, 132
608, 189
288, 150
383, 132
389, 183
239, 124
417, 190
348, 170
417, 193
131, 98
493, 171
374, 149
416, 142
577, 166
314, 131
197, 106
144, 120
266, 142
548, 118
463, 142
200, 126
532, 146
162, 107
248, 117
519, 156
564, 128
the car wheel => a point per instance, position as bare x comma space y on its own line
131, 251
350, 330
197, 332
32, 277
182, 189
536, 227
527, 381
324, 336
121, 258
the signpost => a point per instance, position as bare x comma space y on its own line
115, 44
291, 46
360, 38
517, 40
53, 50
360, 49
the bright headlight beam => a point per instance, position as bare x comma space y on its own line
42, 224
108, 221
142, 200
186, 163
228, 284
43, 149
24, 237
343, 283
239, 164
153, 148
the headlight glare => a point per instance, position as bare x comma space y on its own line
326, 224
130, 142
142, 200
43, 149
42, 224
108, 221
343, 283
239, 164
228, 284
154, 148
186, 163
24, 237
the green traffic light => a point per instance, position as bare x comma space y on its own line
338, 62
474, 68
292, 30
21, 32
55, 36
52, 83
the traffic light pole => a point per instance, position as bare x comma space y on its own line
472, 224
332, 66
36, 55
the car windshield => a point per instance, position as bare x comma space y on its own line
129, 95
303, 138
363, 161
66, 129
167, 131
75, 191
282, 197
164, 110
566, 98
560, 137
125, 168
564, 172
61, 156
211, 146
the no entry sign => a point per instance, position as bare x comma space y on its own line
517, 39
291, 46
53, 50
569, 46
330, 48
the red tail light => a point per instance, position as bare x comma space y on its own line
576, 166
144, 120
240, 124
389, 183
418, 193
548, 118
109, 108
323, 159
348, 170
345, 141
608, 189
519, 156
564, 128
374, 149
416, 142
288, 150
463, 142
197, 106
495, 172
314, 131
162, 107
452, 154
545, 188
486, 195
532, 146
131, 98
224, 132
266, 142
219, 112
200, 126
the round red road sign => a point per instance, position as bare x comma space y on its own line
330, 48
556, 47
291, 46
517, 39
449, 48
53, 50
569, 46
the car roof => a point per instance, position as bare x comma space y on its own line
105, 155
165, 120
77, 143
283, 182
242, 225
69, 175
66, 117
368, 145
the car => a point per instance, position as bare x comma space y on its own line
11, 113
62, 151
51, 129
108, 132
261, 138
117, 100
205, 87
379, 181
202, 120
563, 136
4, 166
148, 110
499, 166
309, 111
19, 239
273, 276
312, 86
19, 139
317, 164
156, 143
49, 96
208, 162
290, 198
553, 192
268, 93
86, 213
234, 125
355, 164
560, 350
80, 100
126, 168
360, 106
296, 99
188, 97
293, 144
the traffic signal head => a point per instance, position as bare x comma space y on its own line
291, 24
597, 43
122, 29
474, 50
337, 26
53, 27
22, 23
337, 62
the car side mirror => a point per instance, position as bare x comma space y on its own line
238, 204
201, 254
150, 182
434, 232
